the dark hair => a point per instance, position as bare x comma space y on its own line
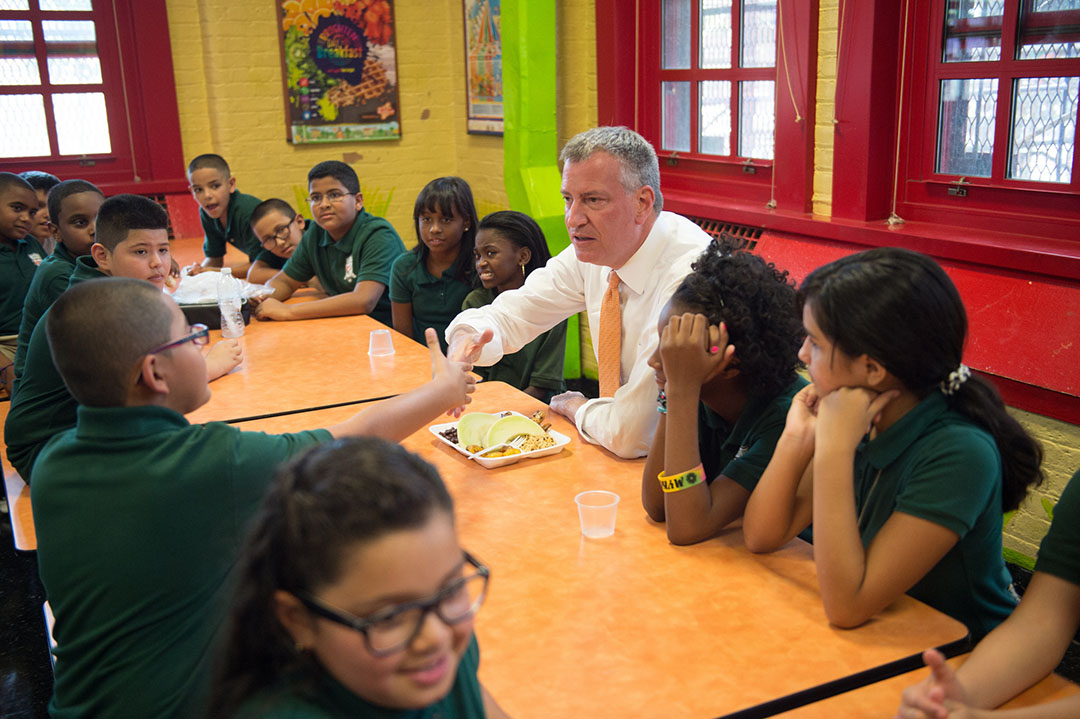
9, 180
40, 180
64, 190
265, 207
519, 230
337, 170
99, 330
211, 161
120, 214
448, 195
320, 505
757, 303
900, 308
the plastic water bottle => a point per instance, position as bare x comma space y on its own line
229, 301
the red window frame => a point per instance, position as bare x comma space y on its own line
996, 203
137, 77
628, 68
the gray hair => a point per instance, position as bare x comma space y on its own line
636, 157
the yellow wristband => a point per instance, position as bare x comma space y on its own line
683, 480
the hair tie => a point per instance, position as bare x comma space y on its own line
957, 377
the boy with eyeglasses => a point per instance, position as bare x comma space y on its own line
225, 214
140, 515
349, 251
131, 240
279, 229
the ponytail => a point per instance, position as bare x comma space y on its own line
1021, 456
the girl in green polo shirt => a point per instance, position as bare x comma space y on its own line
509, 246
904, 460
428, 284
354, 598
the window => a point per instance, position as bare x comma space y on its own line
716, 78
81, 84
993, 115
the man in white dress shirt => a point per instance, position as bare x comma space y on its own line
611, 186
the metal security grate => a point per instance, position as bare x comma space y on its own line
748, 235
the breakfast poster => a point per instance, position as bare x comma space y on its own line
340, 70
483, 66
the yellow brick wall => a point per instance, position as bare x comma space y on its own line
1061, 441
228, 81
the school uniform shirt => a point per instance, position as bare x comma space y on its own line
435, 300
18, 262
1059, 553
49, 282
140, 518
41, 405
566, 286
538, 364
741, 452
935, 464
237, 230
323, 697
365, 253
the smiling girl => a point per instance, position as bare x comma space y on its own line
354, 597
904, 460
510, 245
428, 284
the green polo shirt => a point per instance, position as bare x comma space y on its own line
1059, 553
270, 259
935, 464
537, 364
323, 697
741, 452
436, 301
365, 253
140, 518
49, 282
41, 405
237, 230
18, 262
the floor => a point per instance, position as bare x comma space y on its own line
25, 673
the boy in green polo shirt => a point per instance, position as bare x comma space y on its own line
140, 515
349, 250
131, 240
73, 207
20, 255
225, 214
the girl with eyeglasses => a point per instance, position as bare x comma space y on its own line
354, 597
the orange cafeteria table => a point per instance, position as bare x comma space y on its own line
18, 497
308, 364
882, 699
630, 625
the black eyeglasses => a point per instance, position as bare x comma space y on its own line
279, 235
200, 336
395, 628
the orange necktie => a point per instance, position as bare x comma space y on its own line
610, 338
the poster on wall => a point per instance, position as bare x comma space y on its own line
340, 70
483, 66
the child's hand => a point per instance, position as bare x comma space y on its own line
801, 419
686, 350
939, 696
271, 309
846, 413
455, 377
223, 357
195, 269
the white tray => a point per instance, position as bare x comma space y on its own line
561, 440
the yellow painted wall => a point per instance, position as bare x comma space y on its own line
1061, 441
228, 81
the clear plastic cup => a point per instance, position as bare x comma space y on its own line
596, 510
381, 342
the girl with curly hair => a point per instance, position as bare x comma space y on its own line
725, 366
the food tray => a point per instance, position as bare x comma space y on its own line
561, 440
